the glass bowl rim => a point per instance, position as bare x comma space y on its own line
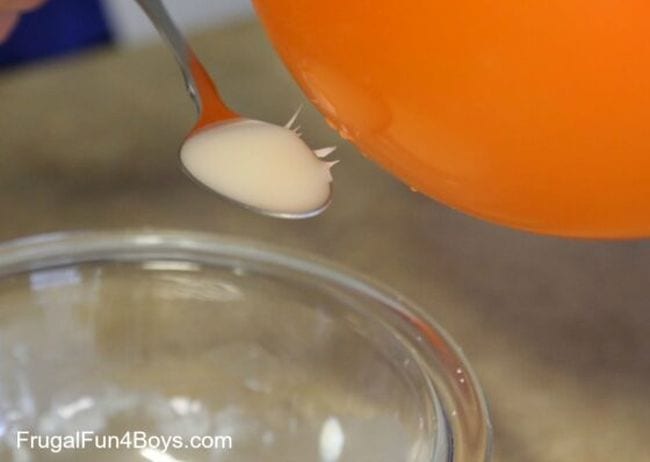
43, 251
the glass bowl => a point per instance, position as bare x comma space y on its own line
177, 346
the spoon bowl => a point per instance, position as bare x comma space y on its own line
267, 168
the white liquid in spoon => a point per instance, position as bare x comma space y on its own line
260, 165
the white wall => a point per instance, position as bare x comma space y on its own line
131, 26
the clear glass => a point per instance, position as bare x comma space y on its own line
182, 334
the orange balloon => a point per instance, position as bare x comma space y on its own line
531, 114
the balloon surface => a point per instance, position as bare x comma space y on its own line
531, 114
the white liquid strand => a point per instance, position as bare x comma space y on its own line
261, 165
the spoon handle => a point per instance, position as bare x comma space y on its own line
199, 84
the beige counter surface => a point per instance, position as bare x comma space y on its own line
558, 330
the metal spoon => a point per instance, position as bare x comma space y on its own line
209, 105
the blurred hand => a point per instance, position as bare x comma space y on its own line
10, 11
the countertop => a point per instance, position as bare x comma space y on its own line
557, 330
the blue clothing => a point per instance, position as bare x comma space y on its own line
59, 27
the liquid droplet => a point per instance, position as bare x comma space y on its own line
331, 124
332, 440
345, 133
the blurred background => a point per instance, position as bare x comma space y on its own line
558, 330
66, 26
